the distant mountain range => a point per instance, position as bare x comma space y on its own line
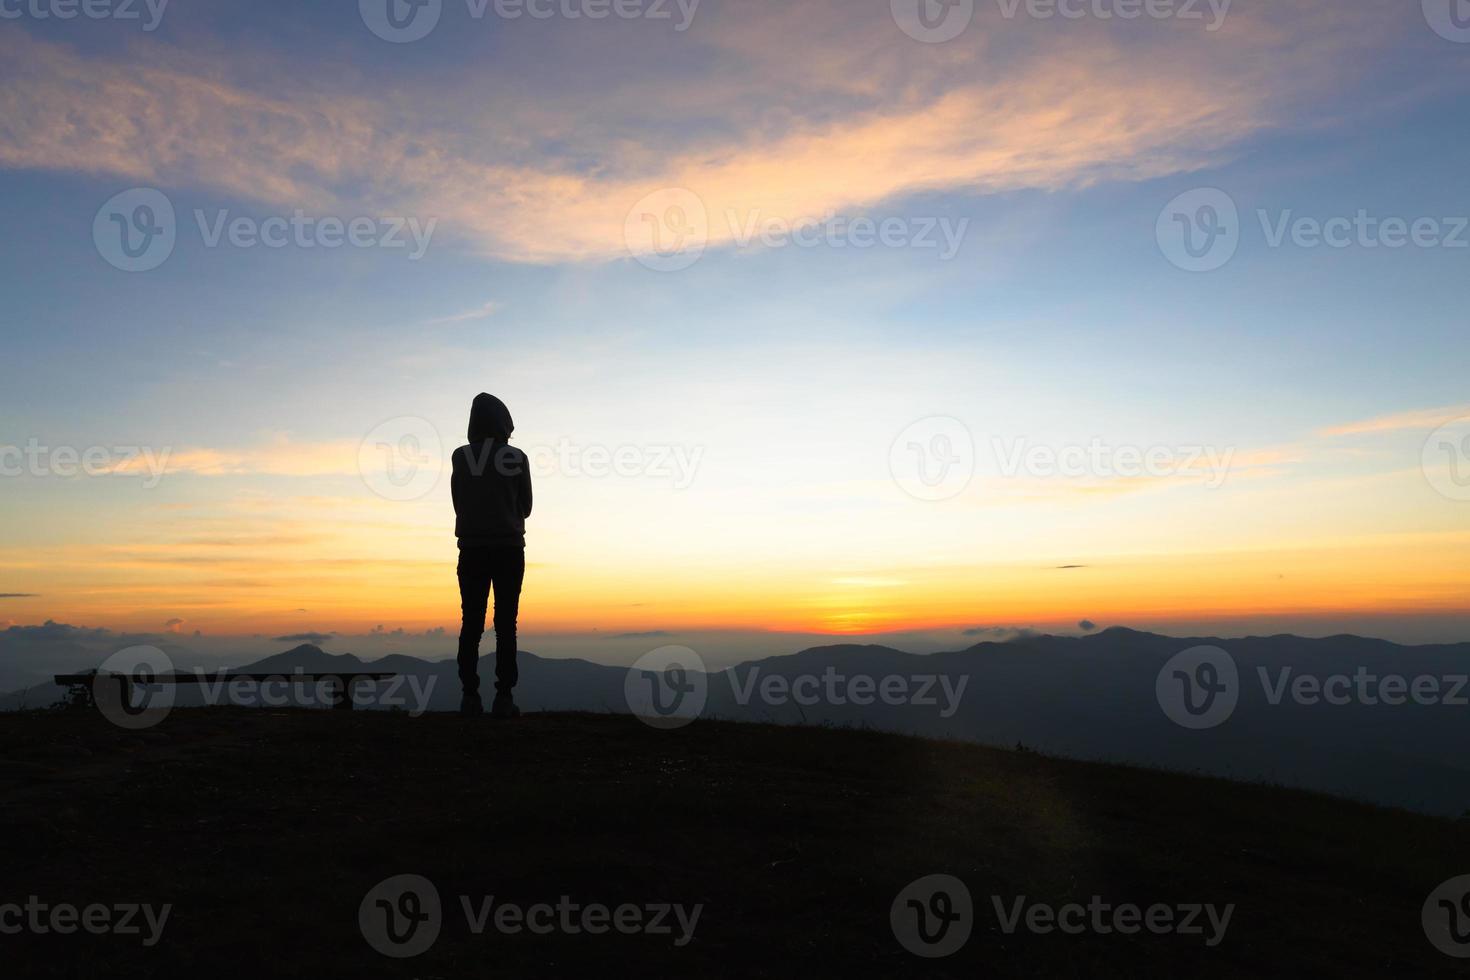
1091, 697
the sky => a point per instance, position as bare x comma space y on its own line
839, 317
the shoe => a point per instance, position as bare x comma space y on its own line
471, 707
504, 708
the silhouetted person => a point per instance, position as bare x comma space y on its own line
492, 499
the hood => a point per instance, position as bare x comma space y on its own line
489, 419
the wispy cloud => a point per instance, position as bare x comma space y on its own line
1078, 112
478, 313
1426, 418
277, 456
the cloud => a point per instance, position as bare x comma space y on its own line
434, 633
1065, 567
647, 635
1000, 634
18, 595
173, 625
1427, 418
1087, 626
478, 313
277, 456
30, 654
315, 638
866, 118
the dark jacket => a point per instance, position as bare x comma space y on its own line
492, 481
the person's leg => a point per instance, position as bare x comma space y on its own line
510, 572
474, 594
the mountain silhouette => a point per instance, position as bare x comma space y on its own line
1089, 697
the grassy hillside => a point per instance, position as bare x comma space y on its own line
265, 830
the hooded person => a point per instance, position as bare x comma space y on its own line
491, 487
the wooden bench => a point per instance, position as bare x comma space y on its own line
82, 686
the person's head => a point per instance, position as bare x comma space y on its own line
489, 419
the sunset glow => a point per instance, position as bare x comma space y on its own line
723, 445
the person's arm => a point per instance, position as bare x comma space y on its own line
457, 487
524, 482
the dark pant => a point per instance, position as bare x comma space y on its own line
479, 570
